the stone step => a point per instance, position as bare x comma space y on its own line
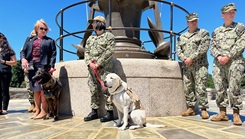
18, 93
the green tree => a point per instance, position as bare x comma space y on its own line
18, 75
211, 84
243, 80
243, 83
210, 81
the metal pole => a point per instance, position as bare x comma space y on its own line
61, 36
171, 28
110, 4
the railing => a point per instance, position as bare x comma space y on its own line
172, 34
212, 93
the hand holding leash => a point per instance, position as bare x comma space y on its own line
24, 63
94, 66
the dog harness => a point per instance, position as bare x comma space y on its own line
51, 83
50, 86
134, 98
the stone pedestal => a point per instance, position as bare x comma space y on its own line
158, 83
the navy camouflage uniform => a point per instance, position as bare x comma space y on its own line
30, 93
228, 41
195, 45
100, 50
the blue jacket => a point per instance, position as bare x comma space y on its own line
47, 52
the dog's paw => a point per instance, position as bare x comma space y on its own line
134, 127
122, 128
56, 118
131, 128
45, 118
117, 124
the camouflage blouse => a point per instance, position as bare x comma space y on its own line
194, 45
229, 41
99, 48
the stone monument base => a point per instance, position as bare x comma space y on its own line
158, 83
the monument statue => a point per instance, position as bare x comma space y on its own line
158, 82
127, 14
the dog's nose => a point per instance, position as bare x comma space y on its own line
105, 83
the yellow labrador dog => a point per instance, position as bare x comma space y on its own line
129, 108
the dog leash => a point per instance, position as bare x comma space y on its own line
51, 71
40, 94
98, 78
96, 71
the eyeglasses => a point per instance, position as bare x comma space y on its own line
45, 29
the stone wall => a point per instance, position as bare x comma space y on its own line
158, 83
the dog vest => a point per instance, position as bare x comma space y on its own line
134, 98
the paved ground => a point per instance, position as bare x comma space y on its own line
18, 125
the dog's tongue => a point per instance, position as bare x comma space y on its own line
37, 82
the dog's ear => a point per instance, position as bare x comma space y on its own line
107, 72
120, 82
39, 69
47, 68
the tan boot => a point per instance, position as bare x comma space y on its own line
189, 112
236, 118
205, 114
31, 108
222, 115
34, 110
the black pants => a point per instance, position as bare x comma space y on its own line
5, 79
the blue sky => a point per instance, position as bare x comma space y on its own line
18, 19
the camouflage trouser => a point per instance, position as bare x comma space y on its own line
96, 89
30, 93
228, 76
195, 82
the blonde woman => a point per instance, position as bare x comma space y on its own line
38, 52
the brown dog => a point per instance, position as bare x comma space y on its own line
51, 88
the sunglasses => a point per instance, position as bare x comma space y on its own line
45, 29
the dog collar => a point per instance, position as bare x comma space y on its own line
52, 82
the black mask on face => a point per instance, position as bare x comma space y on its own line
100, 25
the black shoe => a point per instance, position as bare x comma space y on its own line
92, 115
108, 117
